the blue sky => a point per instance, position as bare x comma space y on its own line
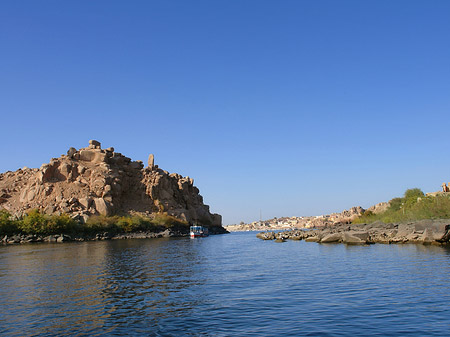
288, 107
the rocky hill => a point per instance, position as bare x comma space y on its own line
95, 181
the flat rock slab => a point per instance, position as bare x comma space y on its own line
352, 239
334, 237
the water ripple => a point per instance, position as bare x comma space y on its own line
223, 286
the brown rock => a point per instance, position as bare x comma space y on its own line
137, 165
116, 183
94, 143
94, 156
101, 206
87, 155
85, 202
71, 152
312, 239
331, 238
351, 239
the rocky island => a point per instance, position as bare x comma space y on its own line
92, 185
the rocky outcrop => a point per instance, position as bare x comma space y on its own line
379, 208
92, 181
422, 231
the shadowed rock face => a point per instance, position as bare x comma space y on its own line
93, 180
422, 231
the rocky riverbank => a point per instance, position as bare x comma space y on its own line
420, 232
60, 238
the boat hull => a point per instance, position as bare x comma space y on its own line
194, 235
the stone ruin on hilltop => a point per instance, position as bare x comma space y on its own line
95, 181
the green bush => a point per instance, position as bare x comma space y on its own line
37, 223
7, 226
62, 224
34, 223
413, 206
126, 224
168, 221
101, 224
395, 204
413, 193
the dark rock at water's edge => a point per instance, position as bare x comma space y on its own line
60, 238
434, 232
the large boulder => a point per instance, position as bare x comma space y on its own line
355, 238
93, 156
94, 144
102, 206
71, 152
331, 238
405, 229
266, 236
435, 229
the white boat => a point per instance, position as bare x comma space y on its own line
198, 232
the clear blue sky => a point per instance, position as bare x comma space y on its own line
291, 107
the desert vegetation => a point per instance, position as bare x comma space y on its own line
37, 223
414, 205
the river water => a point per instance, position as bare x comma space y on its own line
224, 285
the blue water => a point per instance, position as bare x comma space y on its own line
226, 285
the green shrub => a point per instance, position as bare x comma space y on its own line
395, 204
413, 193
62, 224
368, 213
7, 226
37, 223
101, 224
134, 223
34, 223
126, 224
414, 206
168, 221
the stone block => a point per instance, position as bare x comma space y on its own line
94, 143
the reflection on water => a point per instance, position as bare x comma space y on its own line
223, 285
96, 285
